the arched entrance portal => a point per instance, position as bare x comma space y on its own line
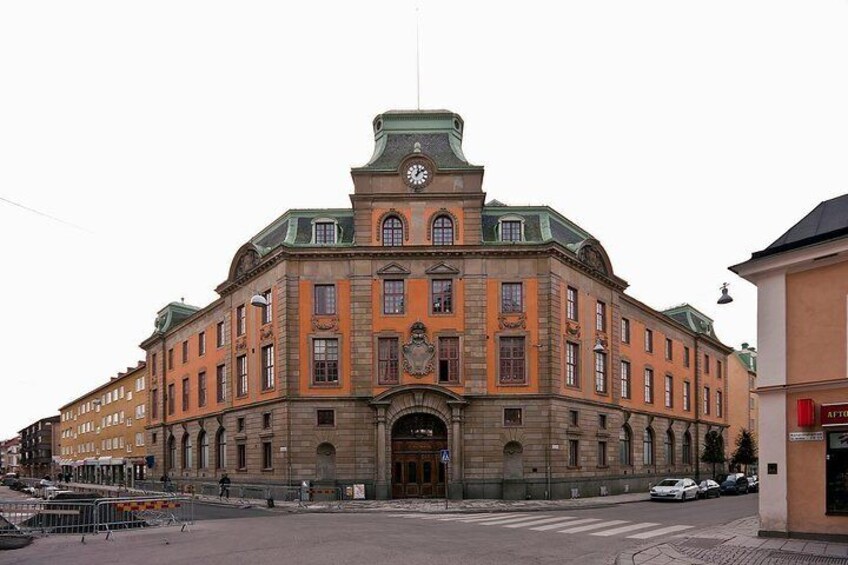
417, 470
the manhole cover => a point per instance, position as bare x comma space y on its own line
704, 543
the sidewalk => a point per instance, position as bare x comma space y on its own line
736, 543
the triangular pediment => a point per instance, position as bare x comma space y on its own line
442, 269
393, 269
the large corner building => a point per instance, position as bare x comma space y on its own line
424, 318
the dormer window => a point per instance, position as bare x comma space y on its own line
511, 229
392, 232
443, 231
324, 232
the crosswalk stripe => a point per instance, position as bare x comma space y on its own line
661, 531
625, 529
564, 523
512, 520
598, 526
486, 518
537, 522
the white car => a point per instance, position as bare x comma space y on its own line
675, 489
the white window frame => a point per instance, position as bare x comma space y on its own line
333, 221
510, 218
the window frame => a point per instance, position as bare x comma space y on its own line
325, 411
201, 389
572, 304
392, 373
626, 378
220, 383
648, 374
500, 359
511, 422
266, 315
512, 308
313, 362
687, 396
392, 299
457, 373
669, 391
572, 364
573, 453
442, 294
269, 380
322, 225
669, 349
625, 330
600, 316
220, 339
241, 320
511, 221
242, 378
649, 340
201, 344
440, 239
601, 373
324, 299
396, 232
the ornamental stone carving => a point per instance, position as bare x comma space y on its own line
419, 354
247, 262
325, 323
512, 321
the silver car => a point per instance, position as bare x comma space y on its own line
675, 489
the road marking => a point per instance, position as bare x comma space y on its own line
537, 522
512, 520
486, 518
564, 523
661, 531
579, 529
625, 529
465, 517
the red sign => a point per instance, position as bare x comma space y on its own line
806, 412
834, 414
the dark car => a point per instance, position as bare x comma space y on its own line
735, 483
709, 489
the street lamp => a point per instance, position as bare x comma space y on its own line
725, 298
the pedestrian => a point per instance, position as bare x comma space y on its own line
167, 486
224, 484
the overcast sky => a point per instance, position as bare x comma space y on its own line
683, 135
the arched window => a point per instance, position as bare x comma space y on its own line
648, 447
669, 447
221, 449
172, 453
203, 450
187, 448
443, 231
392, 232
687, 448
625, 446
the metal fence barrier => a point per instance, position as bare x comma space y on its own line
140, 512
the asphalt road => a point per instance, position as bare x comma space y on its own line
585, 536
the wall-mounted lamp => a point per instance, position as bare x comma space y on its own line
599, 346
259, 301
725, 298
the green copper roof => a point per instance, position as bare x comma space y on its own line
172, 314
748, 357
294, 228
399, 134
693, 319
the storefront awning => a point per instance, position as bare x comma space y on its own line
117, 461
90, 461
104, 461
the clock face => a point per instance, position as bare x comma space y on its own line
418, 175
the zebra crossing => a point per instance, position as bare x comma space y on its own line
556, 524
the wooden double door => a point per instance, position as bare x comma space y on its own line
417, 470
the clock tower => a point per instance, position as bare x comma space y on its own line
417, 170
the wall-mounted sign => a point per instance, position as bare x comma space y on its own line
806, 436
834, 414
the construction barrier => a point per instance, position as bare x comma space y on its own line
124, 513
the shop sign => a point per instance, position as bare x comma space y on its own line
834, 414
806, 436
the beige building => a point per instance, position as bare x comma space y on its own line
802, 326
101, 434
742, 405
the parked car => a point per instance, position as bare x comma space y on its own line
675, 489
735, 483
753, 483
709, 489
17, 485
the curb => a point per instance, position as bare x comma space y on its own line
664, 551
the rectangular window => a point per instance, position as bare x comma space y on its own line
139, 411
154, 403
325, 361
442, 291
266, 420
572, 364
240, 425
241, 320
219, 335
511, 298
574, 417
388, 358
139, 439
602, 454
669, 391
266, 455
393, 297
172, 401
325, 299
706, 364
325, 233
449, 359
185, 351
241, 375
649, 340
600, 316
571, 304
326, 418
718, 368
268, 367
511, 230
625, 379
512, 416
220, 384
268, 309
669, 349
185, 394
602, 421
718, 404
573, 453
600, 372
706, 400
153, 363
685, 356
201, 388
686, 392
625, 330
241, 456
201, 343
649, 386
170, 358
512, 360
